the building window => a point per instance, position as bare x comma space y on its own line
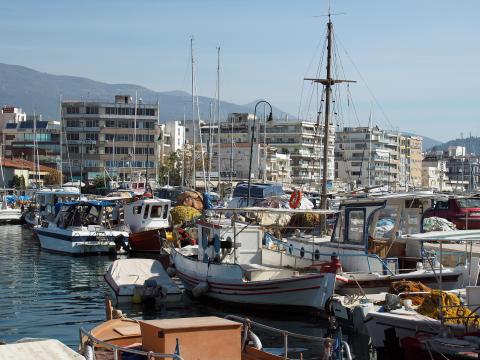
73, 110
73, 149
110, 124
91, 136
91, 123
73, 123
92, 110
73, 136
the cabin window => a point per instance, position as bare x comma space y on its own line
134, 186
339, 228
385, 225
165, 211
147, 209
137, 210
356, 226
156, 212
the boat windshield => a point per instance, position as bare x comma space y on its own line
469, 203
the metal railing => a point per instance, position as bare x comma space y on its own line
287, 334
87, 339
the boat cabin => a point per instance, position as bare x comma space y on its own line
48, 198
379, 227
84, 213
147, 214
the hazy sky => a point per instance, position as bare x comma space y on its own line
419, 59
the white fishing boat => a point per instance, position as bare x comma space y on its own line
147, 219
10, 211
232, 265
371, 237
82, 228
45, 201
136, 280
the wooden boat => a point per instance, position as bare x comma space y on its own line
199, 338
231, 265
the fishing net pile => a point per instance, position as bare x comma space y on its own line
437, 224
181, 214
454, 312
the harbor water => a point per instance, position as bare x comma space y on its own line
47, 295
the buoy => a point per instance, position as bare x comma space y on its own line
257, 344
200, 289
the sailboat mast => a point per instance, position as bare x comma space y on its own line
193, 116
61, 142
328, 87
218, 118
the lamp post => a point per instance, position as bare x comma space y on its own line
251, 143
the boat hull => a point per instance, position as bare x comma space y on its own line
145, 241
300, 292
75, 243
10, 215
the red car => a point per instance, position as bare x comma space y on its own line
463, 212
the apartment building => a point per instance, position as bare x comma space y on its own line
296, 146
368, 156
457, 170
410, 160
118, 137
33, 138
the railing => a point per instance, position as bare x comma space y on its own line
87, 339
287, 334
315, 255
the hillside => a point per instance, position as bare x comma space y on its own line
472, 145
40, 92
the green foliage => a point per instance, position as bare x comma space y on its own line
18, 182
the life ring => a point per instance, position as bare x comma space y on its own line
295, 199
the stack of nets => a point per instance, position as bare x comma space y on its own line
181, 214
428, 304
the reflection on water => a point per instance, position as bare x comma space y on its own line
46, 295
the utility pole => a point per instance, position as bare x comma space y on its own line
328, 82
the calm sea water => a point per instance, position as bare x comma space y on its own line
46, 295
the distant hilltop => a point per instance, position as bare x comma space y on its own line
40, 92
471, 144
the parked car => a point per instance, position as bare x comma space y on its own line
464, 212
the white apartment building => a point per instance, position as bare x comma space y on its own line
367, 156
301, 140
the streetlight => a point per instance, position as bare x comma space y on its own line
251, 143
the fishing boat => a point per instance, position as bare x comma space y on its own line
435, 313
82, 228
43, 206
200, 338
10, 211
371, 238
148, 219
232, 265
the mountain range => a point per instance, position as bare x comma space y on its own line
40, 92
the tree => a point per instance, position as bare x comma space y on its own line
18, 182
99, 182
53, 177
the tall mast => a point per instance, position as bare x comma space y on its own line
328, 82
327, 115
193, 116
61, 142
218, 118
